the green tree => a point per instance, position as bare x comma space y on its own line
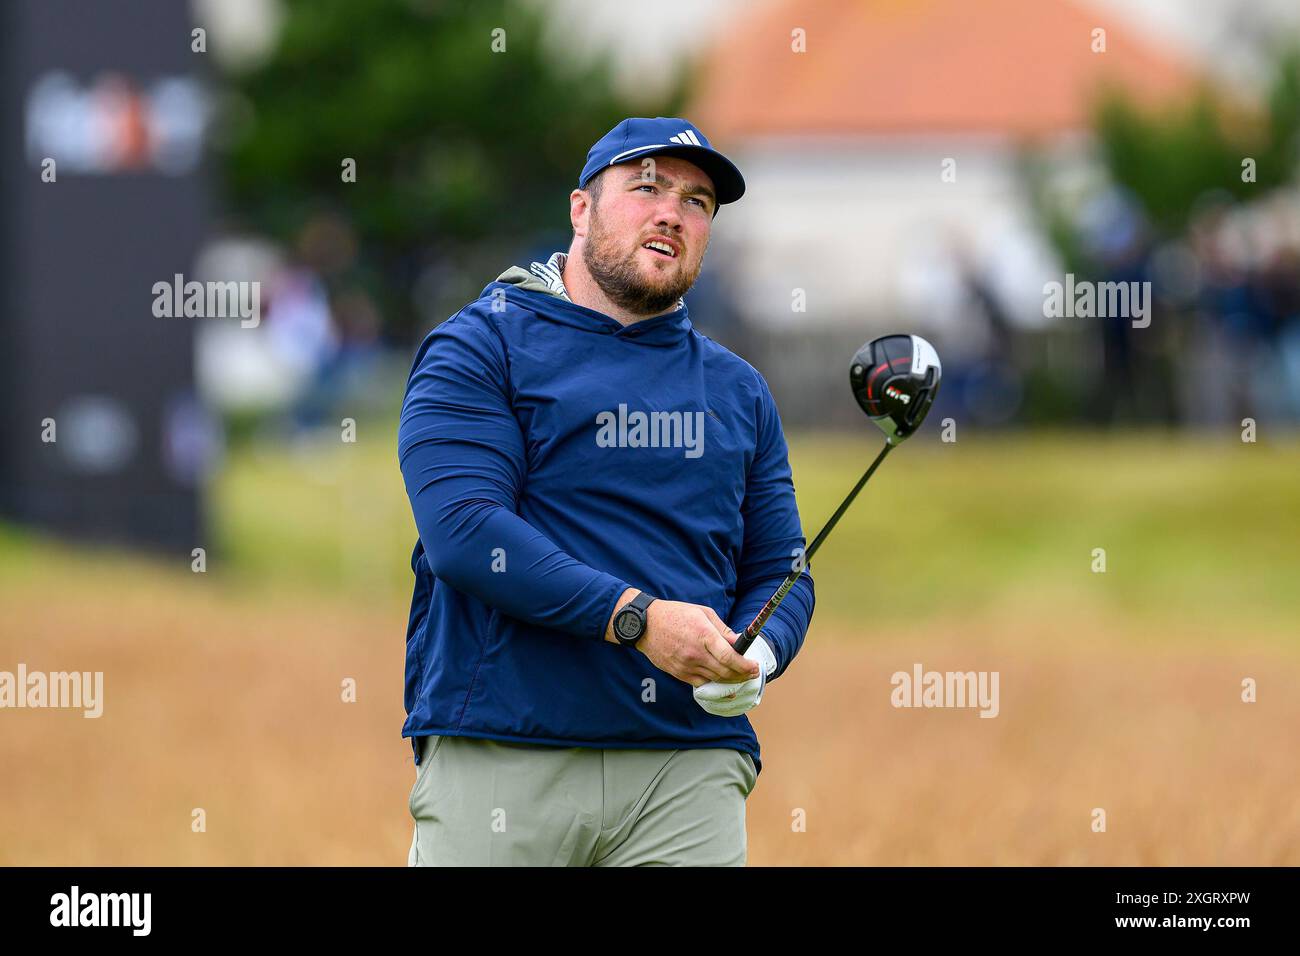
1170, 159
461, 150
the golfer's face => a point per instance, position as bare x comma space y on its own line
669, 204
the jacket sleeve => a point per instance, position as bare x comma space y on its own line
773, 541
462, 457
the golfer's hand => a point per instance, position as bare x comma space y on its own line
732, 700
690, 642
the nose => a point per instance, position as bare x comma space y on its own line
667, 214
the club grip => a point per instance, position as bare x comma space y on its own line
756, 625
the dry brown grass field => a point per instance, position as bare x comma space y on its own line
224, 694
249, 726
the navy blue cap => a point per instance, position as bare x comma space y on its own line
636, 138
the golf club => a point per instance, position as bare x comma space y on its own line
895, 379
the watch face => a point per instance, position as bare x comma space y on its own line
628, 624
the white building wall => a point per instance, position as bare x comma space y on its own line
871, 232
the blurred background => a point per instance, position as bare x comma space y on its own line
209, 510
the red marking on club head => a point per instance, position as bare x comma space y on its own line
883, 365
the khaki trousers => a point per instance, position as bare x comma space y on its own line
487, 803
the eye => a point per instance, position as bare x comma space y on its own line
646, 186
703, 204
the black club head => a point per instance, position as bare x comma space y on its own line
895, 379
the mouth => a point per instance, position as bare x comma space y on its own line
662, 248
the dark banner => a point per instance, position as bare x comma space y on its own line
103, 128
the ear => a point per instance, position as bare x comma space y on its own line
579, 211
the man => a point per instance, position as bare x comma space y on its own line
603, 499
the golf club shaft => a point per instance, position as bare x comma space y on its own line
756, 626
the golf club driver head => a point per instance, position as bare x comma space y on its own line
895, 379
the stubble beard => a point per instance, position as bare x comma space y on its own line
620, 279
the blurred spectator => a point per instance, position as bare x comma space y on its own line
322, 326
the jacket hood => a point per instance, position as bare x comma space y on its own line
538, 289
521, 278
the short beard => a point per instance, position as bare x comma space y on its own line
618, 276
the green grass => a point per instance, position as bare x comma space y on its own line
1196, 526
1194, 530
330, 518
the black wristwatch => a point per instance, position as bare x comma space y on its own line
630, 621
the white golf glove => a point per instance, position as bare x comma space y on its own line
732, 700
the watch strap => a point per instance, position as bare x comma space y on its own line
641, 602
638, 606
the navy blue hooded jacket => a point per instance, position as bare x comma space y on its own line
544, 484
